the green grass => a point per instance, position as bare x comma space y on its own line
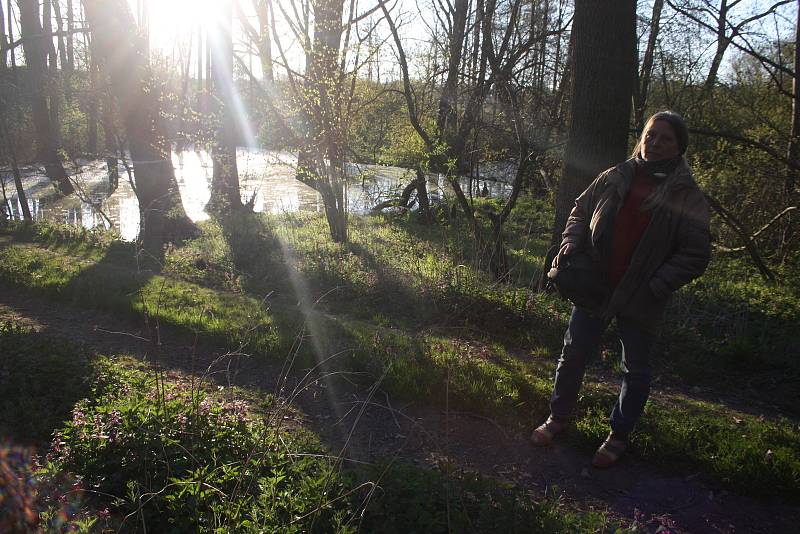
166, 452
107, 282
411, 500
41, 380
411, 306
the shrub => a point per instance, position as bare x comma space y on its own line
179, 459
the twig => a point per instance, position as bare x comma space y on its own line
134, 336
760, 231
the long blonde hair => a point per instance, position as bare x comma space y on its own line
678, 125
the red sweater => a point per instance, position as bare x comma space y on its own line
629, 225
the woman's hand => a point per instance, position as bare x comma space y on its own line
566, 250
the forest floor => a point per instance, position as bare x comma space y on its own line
367, 427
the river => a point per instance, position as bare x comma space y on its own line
267, 175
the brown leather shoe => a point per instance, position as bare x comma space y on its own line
544, 433
609, 452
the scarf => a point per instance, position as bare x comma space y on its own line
658, 169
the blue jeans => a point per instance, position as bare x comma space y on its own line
581, 342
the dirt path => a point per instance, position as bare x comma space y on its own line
425, 436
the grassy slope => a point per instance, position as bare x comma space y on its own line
412, 305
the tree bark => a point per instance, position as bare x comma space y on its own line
225, 192
723, 40
21, 196
53, 96
10, 27
602, 84
91, 115
321, 160
264, 12
3, 42
645, 73
70, 66
447, 102
122, 55
62, 46
34, 44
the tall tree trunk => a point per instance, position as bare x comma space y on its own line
47, 27
723, 40
3, 42
602, 84
199, 64
324, 157
184, 96
565, 84
143, 19
225, 193
122, 56
52, 87
10, 27
264, 12
645, 73
92, 115
208, 78
34, 44
109, 141
70, 66
447, 102
21, 196
62, 46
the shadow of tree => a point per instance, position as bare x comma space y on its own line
43, 378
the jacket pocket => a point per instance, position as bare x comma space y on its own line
645, 307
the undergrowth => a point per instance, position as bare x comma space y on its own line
156, 451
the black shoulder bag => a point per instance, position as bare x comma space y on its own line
580, 280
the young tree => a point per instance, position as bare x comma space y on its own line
504, 45
322, 96
10, 29
322, 102
719, 16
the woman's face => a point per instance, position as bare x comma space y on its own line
660, 142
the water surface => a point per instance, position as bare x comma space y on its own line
266, 177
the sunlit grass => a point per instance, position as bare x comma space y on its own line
108, 285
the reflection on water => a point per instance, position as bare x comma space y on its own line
265, 177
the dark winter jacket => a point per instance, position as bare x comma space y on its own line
673, 251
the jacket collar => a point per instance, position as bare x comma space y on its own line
621, 176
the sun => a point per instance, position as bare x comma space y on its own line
174, 19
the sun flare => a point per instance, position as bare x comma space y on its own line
170, 19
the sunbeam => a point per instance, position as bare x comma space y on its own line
230, 93
312, 325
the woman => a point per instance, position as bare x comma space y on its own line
646, 225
